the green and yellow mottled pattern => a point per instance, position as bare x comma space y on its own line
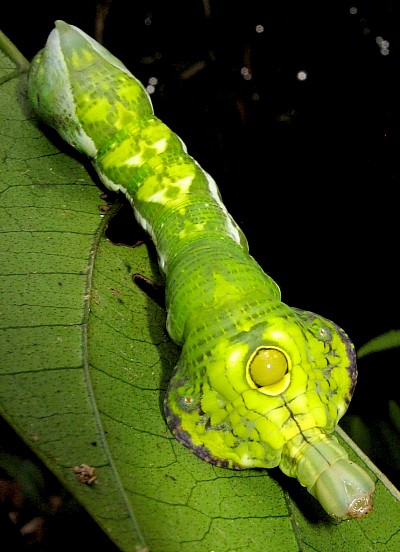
258, 383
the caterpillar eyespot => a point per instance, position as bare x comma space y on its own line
267, 370
325, 334
189, 403
250, 388
268, 366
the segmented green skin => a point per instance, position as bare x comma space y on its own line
223, 310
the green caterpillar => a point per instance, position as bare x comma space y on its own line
258, 383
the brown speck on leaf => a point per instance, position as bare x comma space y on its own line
85, 474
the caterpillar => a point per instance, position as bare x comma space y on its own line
258, 384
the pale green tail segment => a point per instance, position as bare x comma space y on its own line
83, 91
258, 383
342, 487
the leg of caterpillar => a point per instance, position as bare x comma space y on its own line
258, 383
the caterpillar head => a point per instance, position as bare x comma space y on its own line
260, 396
253, 386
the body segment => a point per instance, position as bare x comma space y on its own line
258, 383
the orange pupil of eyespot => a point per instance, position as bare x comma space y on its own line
268, 366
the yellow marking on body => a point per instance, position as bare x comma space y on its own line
235, 370
134, 161
120, 153
241, 429
334, 412
225, 290
219, 381
131, 91
276, 388
93, 111
256, 452
190, 229
299, 405
161, 189
235, 419
298, 383
138, 159
275, 334
260, 403
341, 377
209, 401
280, 336
237, 355
269, 433
80, 58
318, 409
298, 425
280, 417
161, 145
244, 325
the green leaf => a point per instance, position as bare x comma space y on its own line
383, 342
84, 364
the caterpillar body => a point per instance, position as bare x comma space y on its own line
258, 383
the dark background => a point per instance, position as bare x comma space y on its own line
309, 169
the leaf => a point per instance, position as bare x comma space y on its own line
385, 341
84, 365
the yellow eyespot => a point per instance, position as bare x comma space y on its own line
268, 366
